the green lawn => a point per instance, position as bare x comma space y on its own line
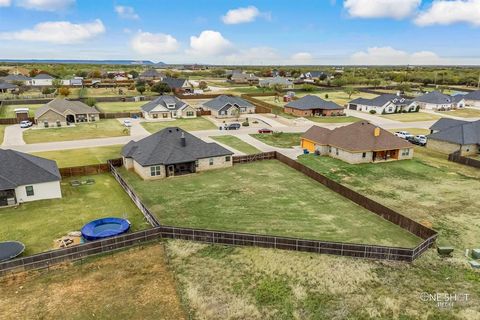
463, 113
194, 124
265, 197
8, 111
100, 129
412, 116
120, 106
2, 133
81, 157
345, 119
236, 143
37, 224
279, 139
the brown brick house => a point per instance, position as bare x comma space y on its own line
313, 106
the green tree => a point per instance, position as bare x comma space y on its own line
134, 73
141, 89
308, 87
91, 102
350, 91
159, 87
57, 83
202, 85
64, 91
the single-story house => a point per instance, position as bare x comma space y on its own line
74, 82
5, 87
270, 82
178, 85
42, 80
472, 99
311, 76
249, 78
436, 100
151, 74
450, 135
172, 152
61, 112
25, 178
226, 106
167, 107
359, 142
13, 78
310, 106
385, 103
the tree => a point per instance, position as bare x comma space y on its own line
32, 73
134, 73
159, 87
90, 102
202, 85
48, 90
64, 91
95, 74
3, 73
236, 113
56, 83
308, 87
350, 91
141, 89
278, 88
82, 93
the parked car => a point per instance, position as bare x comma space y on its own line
265, 131
404, 135
25, 124
421, 140
127, 123
233, 126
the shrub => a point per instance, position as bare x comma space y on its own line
372, 111
326, 96
64, 91
48, 90
90, 102
245, 124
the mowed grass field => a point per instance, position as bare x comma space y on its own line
279, 139
193, 124
9, 110
83, 156
265, 197
412, 116
2, 133
92, 130
236, 143
37, 224
463, 113
112, 107
131, 284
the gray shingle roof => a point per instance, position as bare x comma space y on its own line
221, 101
164, 101
445, 123
464, 133
174, 83
62, 105
19, 169
15, 77
43, 76
165, 147
474, 95
151, 73
7, 86
435, 97
313, 102
381, 100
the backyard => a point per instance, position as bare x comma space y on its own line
412, 116
259, 198
236, 143
194, 124
8, 111
37, 224
279, 139
83, 156
92, 130
111, 107
463, 113
339, 97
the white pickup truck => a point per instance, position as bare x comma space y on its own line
404, 135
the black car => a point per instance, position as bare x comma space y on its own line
233, 126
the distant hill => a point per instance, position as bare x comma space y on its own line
117, 62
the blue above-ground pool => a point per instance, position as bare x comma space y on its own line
10, 250
104, 228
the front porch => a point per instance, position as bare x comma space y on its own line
385, 155
179, 169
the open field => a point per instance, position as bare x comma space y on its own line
92, 130
414, 131
120, 106
131, 284
83, 156
108, 92
194, 124
259, 198
8, 110
37, 224
345, 119
236, 143
279, 139
412, 116
463, 113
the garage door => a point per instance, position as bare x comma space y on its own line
353, 107
309, 145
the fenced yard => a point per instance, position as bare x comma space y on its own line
83, 156
120, 106
194, 124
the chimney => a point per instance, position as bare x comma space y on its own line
183, 140
376, 132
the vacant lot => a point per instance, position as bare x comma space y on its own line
132, 284
265, 197
194, 124
92, 130
83, 156
464, 113
236, 143
9, 110
120, 106
39, 223
412, 116
279, 139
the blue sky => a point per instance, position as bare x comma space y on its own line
244, 32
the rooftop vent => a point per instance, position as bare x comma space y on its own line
183, 140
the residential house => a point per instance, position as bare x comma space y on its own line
178, 86
450, 135
25, 178
383, 104
244, 78
167, 107
359, 142
472, 99
60, 112
42, 80
172, 152
311, 106
7, 87
17, 78
312, 76
270, 82
436, 100
73, 82
228, 106
151, 75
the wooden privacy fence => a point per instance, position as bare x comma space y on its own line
456, 157
254, 157
114, 115
14, 120
89, 169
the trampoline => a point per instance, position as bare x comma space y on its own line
104, 228
10, 250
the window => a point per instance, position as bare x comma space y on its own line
210, 162
175, 114
405, 152
155, 171
227, 158
29, 190
189, 113
364, 155
329, 149
243, 109
165, 115
336, 151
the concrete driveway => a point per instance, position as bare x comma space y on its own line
13, 136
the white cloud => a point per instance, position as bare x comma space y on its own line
302, 58
209, 43
46, 5
391, 56
448, 12
147, 43
396, 9
5, 3
61, 32
241, 15
256, 55
126, 12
